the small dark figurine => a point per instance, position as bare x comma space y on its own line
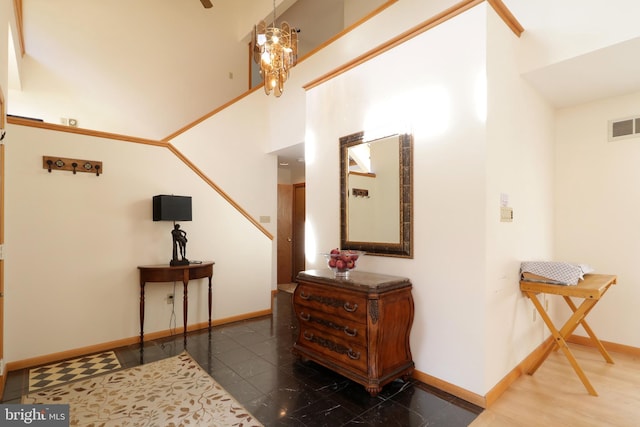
179, 242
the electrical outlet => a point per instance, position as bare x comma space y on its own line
169, 298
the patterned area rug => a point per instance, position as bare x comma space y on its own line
170, 392
71, 370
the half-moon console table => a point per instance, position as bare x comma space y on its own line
356, 326
178, 273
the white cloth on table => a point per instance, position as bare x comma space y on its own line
559, 273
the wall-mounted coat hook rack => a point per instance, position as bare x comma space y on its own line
74, 165
360, 192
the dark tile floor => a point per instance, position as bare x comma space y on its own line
252, 360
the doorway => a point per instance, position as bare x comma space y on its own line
285, 234
299, 211
291, 215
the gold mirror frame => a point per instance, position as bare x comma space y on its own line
403, 249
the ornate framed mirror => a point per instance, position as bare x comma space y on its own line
376, 192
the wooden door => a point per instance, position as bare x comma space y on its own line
299, 213
285, 233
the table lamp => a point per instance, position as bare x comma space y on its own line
174, 208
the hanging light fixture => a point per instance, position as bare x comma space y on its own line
276, 50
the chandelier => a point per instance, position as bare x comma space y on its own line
276, 50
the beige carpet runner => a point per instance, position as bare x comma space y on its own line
170, 392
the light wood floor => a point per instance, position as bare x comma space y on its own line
555, 396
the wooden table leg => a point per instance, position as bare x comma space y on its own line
590, 332
141, 313
550, 347
210, 300
576, 319
185, 307
559, 335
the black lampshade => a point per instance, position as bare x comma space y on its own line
171, 208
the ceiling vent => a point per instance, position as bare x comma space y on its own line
624, 128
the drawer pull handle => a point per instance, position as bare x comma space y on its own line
350, 308
353, 355
303, 295
350, 332
307, 335
305, 316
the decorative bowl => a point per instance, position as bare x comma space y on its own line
341, 262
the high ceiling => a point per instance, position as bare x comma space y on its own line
196, 58
611, 70
607, 72
183, 60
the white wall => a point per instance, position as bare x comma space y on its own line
520, 161
232, 155
168, 53
6, 11
74, 243
427, 94
286, 115
598, 200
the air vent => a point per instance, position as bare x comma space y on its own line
624, 128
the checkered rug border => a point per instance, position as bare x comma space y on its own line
71, 370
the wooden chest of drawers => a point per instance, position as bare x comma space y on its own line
357, 326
